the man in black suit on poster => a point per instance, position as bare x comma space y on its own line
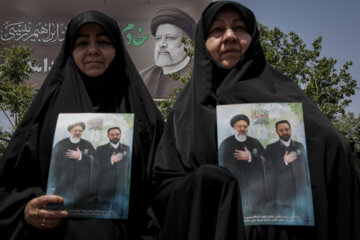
113, 179
290, 180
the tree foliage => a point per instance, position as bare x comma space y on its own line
349, 125
15, 94
328, 87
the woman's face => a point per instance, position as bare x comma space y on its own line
93, 50
227, 39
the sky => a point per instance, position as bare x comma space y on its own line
337, 22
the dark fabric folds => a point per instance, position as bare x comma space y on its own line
25, 163
187, 152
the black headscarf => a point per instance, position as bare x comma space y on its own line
25, 163
189, 145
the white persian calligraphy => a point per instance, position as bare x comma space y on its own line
39, 32
45, 66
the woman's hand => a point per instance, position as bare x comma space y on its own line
37, 216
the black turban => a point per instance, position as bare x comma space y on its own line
81, 124
176, 17
239, 117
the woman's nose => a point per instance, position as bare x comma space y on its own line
229, 35
93, 48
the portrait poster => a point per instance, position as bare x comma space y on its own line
91, 164
264, 146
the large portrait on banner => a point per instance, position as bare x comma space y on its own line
264, 147
172, 28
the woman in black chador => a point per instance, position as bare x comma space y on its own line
93, 73
194, 198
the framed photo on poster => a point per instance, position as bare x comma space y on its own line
264, 147
91, 164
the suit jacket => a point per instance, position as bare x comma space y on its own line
113, 178
290, 183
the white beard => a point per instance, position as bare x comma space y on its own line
166, 59
74, 139
240, 137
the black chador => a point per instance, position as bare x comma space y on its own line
195, 198
24, 167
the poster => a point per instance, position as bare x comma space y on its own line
91, 164
264, 147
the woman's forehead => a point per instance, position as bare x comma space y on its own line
89, 28
227, 14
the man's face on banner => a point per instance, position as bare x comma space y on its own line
76, 132
241, 127
283, 131
169, 50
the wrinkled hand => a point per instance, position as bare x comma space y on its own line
290, 157
242, 155
73, 154
116, 157
37, 216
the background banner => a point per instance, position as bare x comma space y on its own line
42, 25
